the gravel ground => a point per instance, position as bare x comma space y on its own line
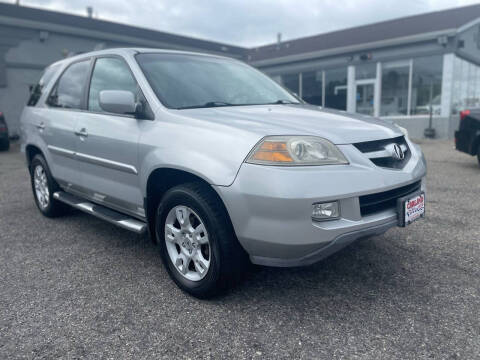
76, 287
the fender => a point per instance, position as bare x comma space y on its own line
209, 169
213, 153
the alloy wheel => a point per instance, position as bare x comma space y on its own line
40, 182
187, 243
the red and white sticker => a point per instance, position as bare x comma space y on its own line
414, 208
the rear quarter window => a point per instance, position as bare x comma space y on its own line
36, 90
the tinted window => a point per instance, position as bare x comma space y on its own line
312, 87
183, 81
68, 92
110, 74
291, 82
336, 89
36, 90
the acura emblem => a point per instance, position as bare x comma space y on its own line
397, 152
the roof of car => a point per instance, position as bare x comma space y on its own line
132, 50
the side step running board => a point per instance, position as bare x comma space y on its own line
113, 217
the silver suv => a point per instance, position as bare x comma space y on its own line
221, 165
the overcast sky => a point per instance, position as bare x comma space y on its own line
247, 22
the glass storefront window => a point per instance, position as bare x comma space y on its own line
476, 82
395, 77
366, 71
312, 87
291, 82
364, 99
466, 85
418, 80
336, 89
427, 85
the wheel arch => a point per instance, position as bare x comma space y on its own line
30, 152
160, 180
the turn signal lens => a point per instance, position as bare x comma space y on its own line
272, 151
296, 150
274, 146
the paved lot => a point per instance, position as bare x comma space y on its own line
77, 287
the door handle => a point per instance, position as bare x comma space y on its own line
40, 126
83, 132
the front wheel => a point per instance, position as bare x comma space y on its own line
197, 242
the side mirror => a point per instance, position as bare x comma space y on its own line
118, 101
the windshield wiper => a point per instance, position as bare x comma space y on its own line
208, 105
212, 104
284, 102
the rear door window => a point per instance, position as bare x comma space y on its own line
69, 90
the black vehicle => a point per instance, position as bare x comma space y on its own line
4, 139
467, 138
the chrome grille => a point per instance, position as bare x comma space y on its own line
381, 152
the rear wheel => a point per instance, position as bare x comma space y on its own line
43, 187
197, 242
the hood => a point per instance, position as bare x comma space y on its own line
337, 126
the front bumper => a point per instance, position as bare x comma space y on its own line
271, 207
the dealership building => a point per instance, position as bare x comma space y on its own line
409, 70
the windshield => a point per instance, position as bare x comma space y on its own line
183, 81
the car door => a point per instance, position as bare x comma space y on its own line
107, 143
57, 122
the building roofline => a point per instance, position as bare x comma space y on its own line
31, 17
353, 48
385, 33
369, 25
398, 31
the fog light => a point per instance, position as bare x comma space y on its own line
326, 211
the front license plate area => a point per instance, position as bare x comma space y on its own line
411, 208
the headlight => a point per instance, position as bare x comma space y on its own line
403, 130
296, 151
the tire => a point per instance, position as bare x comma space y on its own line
225, 256
478, 154
4, 145
47, 205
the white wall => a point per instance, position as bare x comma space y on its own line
15, 95
351, 89
417, 124
447, 84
